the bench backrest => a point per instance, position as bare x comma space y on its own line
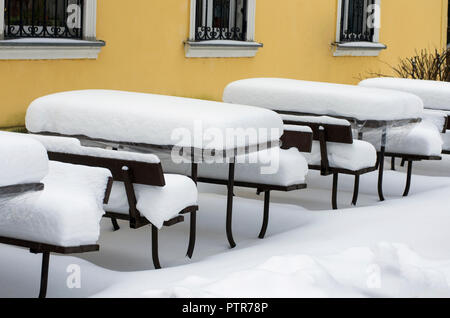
136, 172
297, 139
331, 132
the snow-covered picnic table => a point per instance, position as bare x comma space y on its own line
153, 123
434, 94
23, 164
142, 121
369, 110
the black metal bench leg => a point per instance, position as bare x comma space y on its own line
265, 224
115, 224
229, 225
403, 162
334, 195
192, 234
393, 163
356, 190
408, 179
193, 221
44, 274
155, 253
381, 173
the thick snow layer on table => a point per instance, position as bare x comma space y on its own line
150, 119
22, 160
324, 99
157, 204
356, 156
325, 120
73, 146
272, 166
424, 139
67, 212
435, 95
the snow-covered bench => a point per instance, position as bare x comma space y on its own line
23, 164
144, 122
423, 142
333, 151
64, 218
141, 194
365, 108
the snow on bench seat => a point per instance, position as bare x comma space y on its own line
157, 204
437, 117
446, 140
149, 119
423, 140
290, 168
357, 156
434, 94
66, 213
22, 160
319, 98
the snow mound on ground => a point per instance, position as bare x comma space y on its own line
385, 270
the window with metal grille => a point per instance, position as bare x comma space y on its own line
221, 20
43, 19
355, 18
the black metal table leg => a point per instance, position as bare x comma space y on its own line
356, 190
44, 274
381, 172
408, 179
393, 163
229, 225
115, 224
334, 195
265, 224
193, 217
155, 252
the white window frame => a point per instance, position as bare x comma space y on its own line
87, 48
247, 48
362, 48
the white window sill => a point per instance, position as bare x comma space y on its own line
49, 49
221, 49
358, 49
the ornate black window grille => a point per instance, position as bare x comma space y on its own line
355, 17
44, 19
221, 20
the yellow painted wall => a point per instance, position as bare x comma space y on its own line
145, 51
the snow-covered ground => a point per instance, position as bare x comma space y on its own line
398, 248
